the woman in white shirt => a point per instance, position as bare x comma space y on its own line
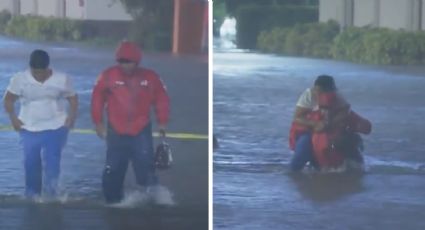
43, 122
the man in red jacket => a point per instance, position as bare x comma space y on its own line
128, 92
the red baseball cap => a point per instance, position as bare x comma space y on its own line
128, 51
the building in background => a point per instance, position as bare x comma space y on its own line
109, 10
190, 26
393, 14
10, 5
96, 10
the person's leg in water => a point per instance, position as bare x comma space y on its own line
116, 166
53, 143
31, 143
351, 145
303, 153
142, 158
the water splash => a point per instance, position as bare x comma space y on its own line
227, 35
159, 195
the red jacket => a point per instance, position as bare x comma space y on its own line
128, 100
322, 141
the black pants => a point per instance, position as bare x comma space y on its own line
120, 150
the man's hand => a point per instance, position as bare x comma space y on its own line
16, 123
9, 105
73, 110
101, 131
69, 122
319, 126
161, 131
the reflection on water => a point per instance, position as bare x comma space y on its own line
328, 187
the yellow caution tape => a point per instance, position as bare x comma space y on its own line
192, 136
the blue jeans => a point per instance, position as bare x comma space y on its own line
303, 153
42, 146
120, 150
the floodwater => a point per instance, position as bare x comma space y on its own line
254, 100
182, 202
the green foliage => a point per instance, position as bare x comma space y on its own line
273, 41
312, 39
139, 7
251, 20
151, 27
5, 17
219, 14
348, 44
153, 21
45, 29
232, 6
380, 46
361, 45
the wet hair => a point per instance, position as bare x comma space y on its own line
326, 83
39, 59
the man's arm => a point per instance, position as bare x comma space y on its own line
9, 105
73, 110
300, 117
304, 106
72, 98
342, 113
359, 124
97, 106
162, 105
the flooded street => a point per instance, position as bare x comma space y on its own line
81, 203
254, 101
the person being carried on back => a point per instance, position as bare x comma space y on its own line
321, 118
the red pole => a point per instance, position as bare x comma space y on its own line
190, 21
176, 26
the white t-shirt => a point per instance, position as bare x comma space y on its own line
308, 101
43, 105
